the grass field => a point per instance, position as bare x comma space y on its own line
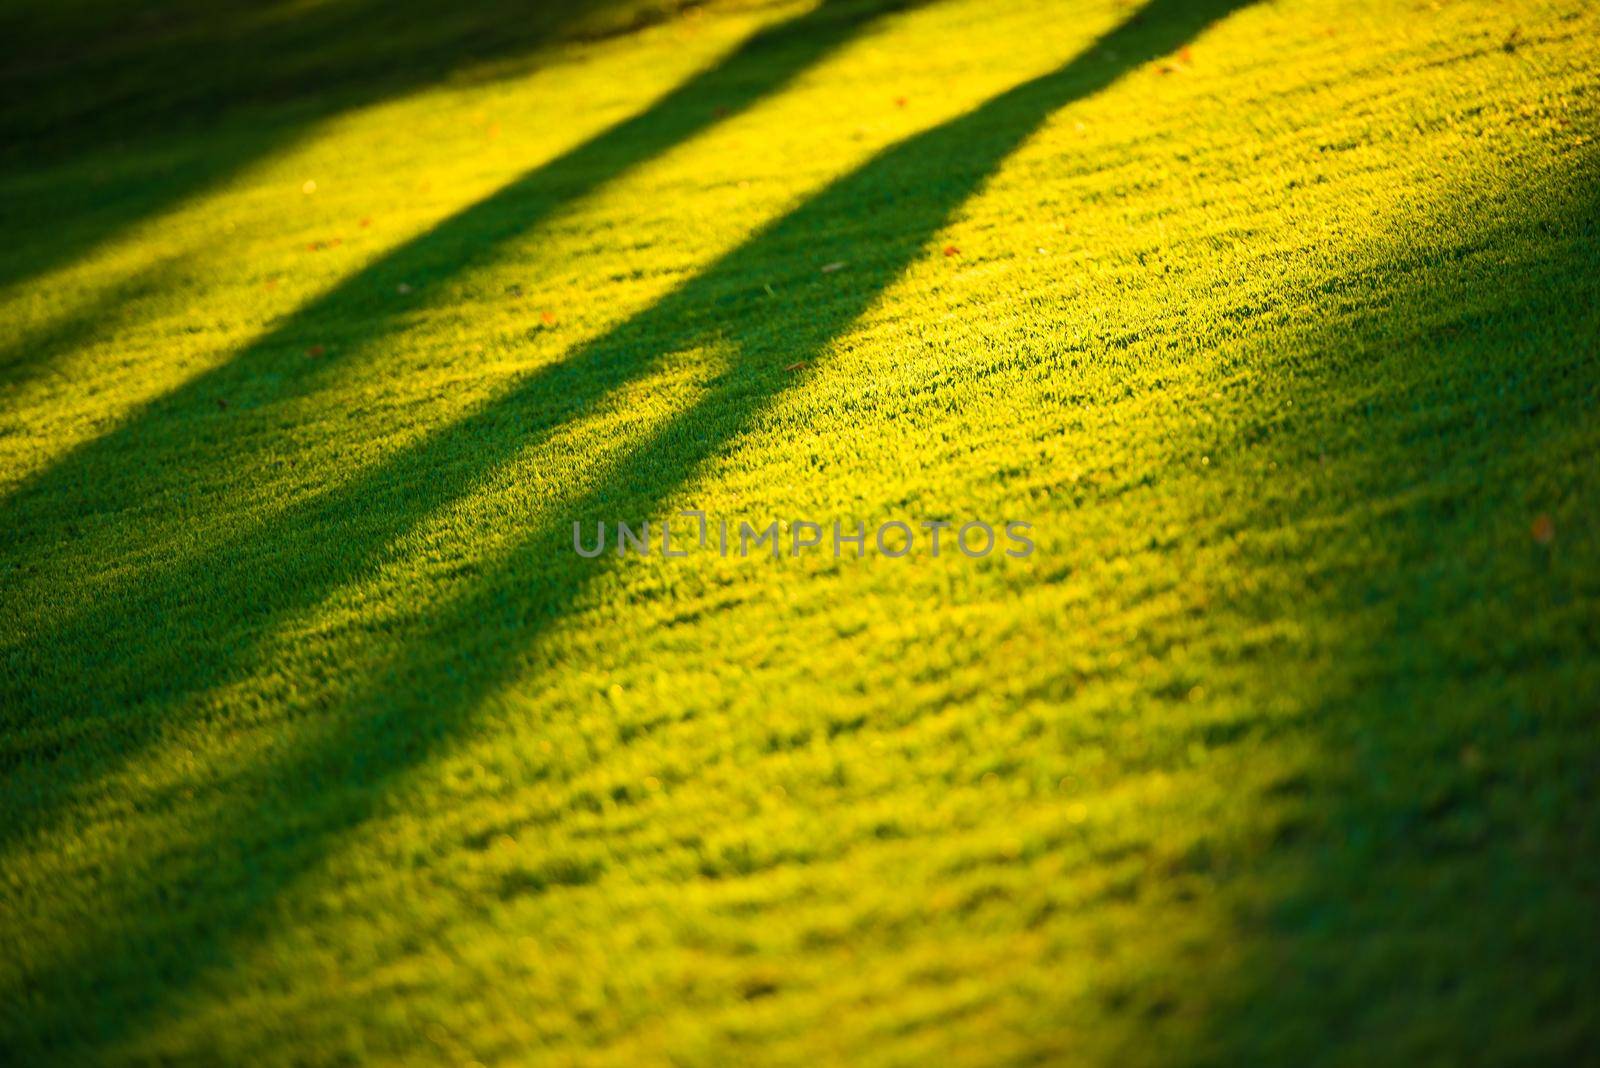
321, 324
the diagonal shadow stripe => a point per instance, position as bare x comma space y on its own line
760, 67
1440, 849
37, 707
881, 217
91, 84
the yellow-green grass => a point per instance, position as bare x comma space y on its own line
1278, 321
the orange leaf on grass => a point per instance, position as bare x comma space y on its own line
951, 250
548, 318
1543, 530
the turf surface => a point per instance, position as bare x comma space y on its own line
1278, 321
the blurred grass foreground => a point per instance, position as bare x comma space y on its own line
322, 322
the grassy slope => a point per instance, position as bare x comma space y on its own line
319, 744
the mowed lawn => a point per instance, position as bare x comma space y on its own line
321, 324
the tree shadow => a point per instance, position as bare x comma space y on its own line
37, 353
95, 479
93, 90
81, 74
1429, 893
765, 63
879, 219
761, 66
54, 741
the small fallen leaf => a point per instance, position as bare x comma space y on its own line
900, 101
366, 222
1186, 54
271, 283
951, 250
315, 246
829, 268
796, 365
1543, 530
548, 318
315, 351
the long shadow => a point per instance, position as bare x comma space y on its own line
136, 108
761, 66
96, 478
79, 75
36, 353
1431, 895
54, 741
361, 309
291, 812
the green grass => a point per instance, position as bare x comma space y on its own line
1277, 320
